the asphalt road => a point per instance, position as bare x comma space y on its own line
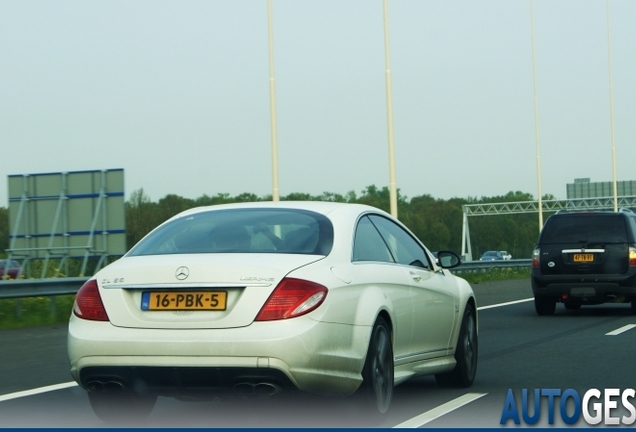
518, 350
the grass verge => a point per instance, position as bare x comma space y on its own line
41, 311
495, 273
35, 311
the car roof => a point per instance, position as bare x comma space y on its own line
321, 207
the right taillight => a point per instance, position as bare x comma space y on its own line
535, 258
88, 303
632, 257
292, 298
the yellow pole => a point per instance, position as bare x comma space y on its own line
536, 120
611, 91
272, 105
389, 113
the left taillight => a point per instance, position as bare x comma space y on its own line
632, 257
292, 298
535, 258
88, 303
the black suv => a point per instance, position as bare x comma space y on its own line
585, 258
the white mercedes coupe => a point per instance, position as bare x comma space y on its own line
327, 298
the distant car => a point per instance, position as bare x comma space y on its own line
491, 256
10, 269
256, 298
506, 255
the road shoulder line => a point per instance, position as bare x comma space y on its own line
24, 393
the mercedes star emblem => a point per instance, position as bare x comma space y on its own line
182, 273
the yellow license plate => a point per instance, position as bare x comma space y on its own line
183, 300
583, 258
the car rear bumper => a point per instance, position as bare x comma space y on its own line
186, 381
301, 353
589, 289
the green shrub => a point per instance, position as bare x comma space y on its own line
39, 311
494, 273
35, 311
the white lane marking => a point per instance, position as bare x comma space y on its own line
441, 410
621, 330
9, 396
505, 304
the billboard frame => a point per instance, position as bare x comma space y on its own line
59, 216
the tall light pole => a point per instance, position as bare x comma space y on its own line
389, 114
611, 92
272, 105
536, 119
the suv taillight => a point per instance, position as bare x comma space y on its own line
632, 257
535, 258
88, 303
292, 298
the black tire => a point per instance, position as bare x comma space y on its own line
122, 407
466, 354
544, 305
376, 391
572, 305
633, 307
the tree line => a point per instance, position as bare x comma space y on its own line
437, 222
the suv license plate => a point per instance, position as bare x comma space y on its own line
182, 300
583, 258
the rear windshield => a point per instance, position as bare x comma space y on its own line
241, 231
608, 228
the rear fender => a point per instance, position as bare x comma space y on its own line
371, 303
354, 306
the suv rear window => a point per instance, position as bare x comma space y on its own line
585, 228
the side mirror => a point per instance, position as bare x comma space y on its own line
448, 259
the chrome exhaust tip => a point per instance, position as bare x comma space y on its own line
96, 386
263, 389
266, 389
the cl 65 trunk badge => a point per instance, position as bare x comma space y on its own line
182, 273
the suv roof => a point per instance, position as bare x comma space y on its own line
620, 210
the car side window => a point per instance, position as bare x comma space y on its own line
368, 244
402, 245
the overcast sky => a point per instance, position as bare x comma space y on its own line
177, 94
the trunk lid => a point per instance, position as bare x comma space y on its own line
173, 288
572, 259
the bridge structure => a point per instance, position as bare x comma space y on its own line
547, 206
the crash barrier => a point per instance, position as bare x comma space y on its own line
21, 288
486, 266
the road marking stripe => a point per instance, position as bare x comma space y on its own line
505, 304
35, 391
621, 330
441, 410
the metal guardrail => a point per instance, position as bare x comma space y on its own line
40, 287
479, 266
61, 286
